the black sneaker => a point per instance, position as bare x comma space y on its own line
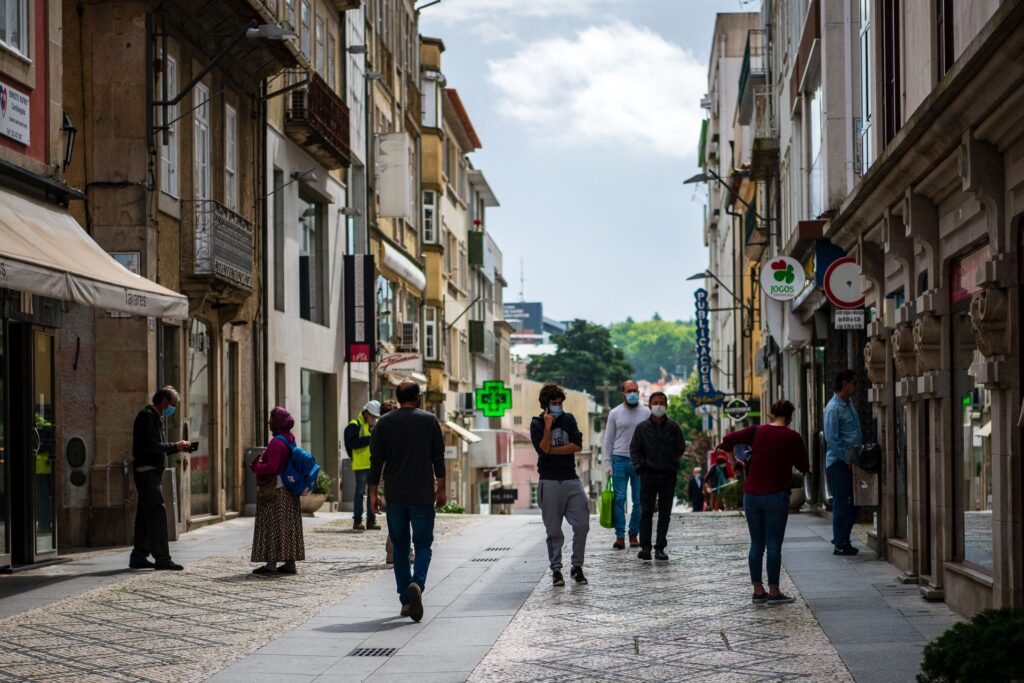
780, 599
557, 579
759, 598
358, 526
660, 555
577, 574
372, 526
141, 564
845, 550
644, 554
415, 601
167, 566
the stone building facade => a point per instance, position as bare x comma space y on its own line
898, 138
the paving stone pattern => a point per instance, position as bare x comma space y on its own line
689, 619
184, 626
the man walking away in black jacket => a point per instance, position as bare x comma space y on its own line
150, 449
657, 446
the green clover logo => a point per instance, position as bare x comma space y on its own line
784, 274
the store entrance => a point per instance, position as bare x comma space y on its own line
29, 442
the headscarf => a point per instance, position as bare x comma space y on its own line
281, 420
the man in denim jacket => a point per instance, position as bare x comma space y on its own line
842, 432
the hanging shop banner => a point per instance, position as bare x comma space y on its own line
360, 319
843, 283
782, 278
737, 408
706, 394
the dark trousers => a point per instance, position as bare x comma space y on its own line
766, 520
362, 477
657, 491
420, 519
151, 518
844, 514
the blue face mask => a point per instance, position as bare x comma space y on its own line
555, 410
169, 410
632, 398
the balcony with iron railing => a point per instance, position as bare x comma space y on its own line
764, 153
753, 73
216, 251
755, 232
318, 120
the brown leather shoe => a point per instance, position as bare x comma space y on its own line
634, 542
619, 544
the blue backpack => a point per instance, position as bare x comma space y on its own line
300, 473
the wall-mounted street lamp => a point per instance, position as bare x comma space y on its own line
69, 132
705, 176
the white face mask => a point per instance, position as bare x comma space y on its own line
658, 411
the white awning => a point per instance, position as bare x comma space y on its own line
464, 434
396, 377
402, 266
43, 250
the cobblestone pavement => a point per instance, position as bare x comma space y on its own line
183, 626
688, 619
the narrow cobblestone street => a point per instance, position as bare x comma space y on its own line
491, 613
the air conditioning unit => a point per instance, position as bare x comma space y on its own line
410, 340
467, 401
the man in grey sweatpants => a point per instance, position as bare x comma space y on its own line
560, 494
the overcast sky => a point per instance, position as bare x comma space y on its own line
589, 114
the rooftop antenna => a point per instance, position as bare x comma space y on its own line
522, 280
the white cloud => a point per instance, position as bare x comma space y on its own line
607, 86
456, 11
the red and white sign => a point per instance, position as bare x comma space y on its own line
390, 362
843, 283
14, 114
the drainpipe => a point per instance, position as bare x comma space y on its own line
737, 282
262, 338
848, 76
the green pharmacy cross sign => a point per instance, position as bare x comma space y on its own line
494, 398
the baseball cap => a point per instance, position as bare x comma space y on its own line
373, 408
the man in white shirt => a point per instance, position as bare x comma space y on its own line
618, 434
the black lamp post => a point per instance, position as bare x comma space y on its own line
70, 132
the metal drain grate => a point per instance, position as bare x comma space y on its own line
502, 549
485, 559
373, 652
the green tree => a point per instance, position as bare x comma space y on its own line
682, 411
584, 360
655, 344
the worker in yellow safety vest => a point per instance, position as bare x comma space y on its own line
357, 445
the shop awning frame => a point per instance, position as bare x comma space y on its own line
43, 250
462, 432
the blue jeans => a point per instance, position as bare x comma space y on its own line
844, 514
766, 521
623, 472
421, 519
362, 477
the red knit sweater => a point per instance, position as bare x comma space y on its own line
775, 451
273, 460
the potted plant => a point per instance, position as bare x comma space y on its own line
984, 649
314, 500
797, 496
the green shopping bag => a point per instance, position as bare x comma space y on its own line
607, 501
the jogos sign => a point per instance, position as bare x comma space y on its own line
782, 278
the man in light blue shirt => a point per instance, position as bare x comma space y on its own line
618, 434
842, 432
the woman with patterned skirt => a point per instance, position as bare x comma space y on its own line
277, 536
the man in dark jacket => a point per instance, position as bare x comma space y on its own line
695, 491
657, 446
150, 449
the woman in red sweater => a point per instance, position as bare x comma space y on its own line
277, 533
775, 451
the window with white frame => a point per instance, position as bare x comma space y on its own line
816, 175
463, 267
867, 85
430, 217
289, 14
169, 152
321, 57
431, 100
332, 49
306, 32
430, 338
463, 355
14, 25
201, 138
230, 157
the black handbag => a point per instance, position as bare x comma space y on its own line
869, 458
